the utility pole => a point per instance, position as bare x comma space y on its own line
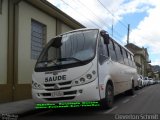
128, 33
112, 26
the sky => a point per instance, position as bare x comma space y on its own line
115, 15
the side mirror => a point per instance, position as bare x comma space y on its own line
57, 42
105, 37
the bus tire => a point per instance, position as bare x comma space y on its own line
107, 102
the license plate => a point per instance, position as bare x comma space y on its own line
57, 94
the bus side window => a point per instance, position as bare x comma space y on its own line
133, 62
112, 52
129, 59
103, 53
125, 56
119, 53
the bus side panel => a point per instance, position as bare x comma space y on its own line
120, 75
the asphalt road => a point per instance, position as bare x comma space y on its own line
145, 101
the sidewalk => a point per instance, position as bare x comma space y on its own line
18, 107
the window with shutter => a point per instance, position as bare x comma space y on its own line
0, 6
38, 38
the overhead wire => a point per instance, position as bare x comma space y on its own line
82, 14
78, 1
99, 19
102, 21
116, 35
111, 13
119, 20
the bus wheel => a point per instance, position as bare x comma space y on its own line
107, 102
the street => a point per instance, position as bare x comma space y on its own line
145, 101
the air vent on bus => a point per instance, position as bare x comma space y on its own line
52, 89
60, 98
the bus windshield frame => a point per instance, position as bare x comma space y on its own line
68, 50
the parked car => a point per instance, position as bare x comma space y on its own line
151, 81
156, 81
146, 81
140, 81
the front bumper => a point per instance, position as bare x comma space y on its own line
87, 92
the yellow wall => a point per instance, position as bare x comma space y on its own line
137, 59
25, 63
3, 42
65, 28
26, 13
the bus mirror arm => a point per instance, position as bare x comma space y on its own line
105, 36
106, 39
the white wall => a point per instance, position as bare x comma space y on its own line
25, 63
3, 42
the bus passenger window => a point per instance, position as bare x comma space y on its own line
129, 58
133, 62
125, 56
119, 53
103, 52
112, 52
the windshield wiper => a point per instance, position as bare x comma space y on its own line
70, 58
60, 59
48, 61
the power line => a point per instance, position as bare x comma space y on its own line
111, 13
98, 17
117, 33
93, 13
119, 36
120, 21
81, 14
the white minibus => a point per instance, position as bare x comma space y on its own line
83, 65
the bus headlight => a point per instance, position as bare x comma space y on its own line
77, 82
93, 72
35, 85
89, 77
82, 80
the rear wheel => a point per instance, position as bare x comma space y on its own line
107, 102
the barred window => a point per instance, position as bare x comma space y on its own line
38, 38
0, 6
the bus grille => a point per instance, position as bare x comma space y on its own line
64, 88
61, 86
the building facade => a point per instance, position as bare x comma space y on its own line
157, 75
25, 27
141, 58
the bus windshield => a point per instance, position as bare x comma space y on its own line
69, 48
